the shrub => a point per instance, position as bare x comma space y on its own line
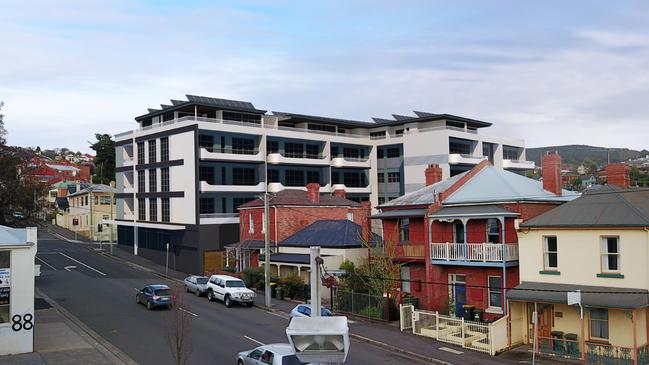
253, 276
293, 286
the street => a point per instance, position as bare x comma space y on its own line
100, 291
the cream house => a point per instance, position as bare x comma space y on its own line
88, 209
597, 245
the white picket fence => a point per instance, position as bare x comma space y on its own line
490, 338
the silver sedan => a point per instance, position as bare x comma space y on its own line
196, 284
274, 354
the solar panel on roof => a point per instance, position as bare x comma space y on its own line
165, 106
401, 117
153, 110
177, 102
220, 102
424, 114
382, 120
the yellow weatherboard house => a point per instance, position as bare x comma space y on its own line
596, 250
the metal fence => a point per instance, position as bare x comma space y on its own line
362, 304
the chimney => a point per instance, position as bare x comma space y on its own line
433, 174
340, 193
313, 192
618, 174
551, 171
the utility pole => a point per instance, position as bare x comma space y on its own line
92, 238
266, 252
167, 261
316, 295
112, 199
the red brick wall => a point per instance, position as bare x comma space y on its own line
617, 174
551, 170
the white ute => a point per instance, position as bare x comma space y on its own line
229, 289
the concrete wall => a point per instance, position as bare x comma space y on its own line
182, 178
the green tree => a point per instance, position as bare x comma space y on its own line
575, 185
18, 191
104, 158
590, 165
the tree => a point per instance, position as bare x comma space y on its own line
104, 158
18, 191
178, 330
3, 130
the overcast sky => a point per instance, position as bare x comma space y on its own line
552, 72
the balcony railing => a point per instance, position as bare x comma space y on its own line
236, 151
484, 252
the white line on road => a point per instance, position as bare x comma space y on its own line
453, 351
41, 260
188, 312
253, 340
69, 268
79, 262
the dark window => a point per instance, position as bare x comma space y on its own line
207, 142
380, 153
167, 116
458, 146
272, 147
394, 177
398, 132
243, 176
153, 181
165, 209
140, 153
313, 177
493, 232
377, 135
244, 146
237, 201
354, 179
488, 151
152, 151
153, 209
381, 200
164, 179
294, 177
334, 151
223, 176
294, 150
273, 175
393, 152
320, 127
207, 206
381, 177
222, 144
242, 117
458, 229
495, 292
164, 149
206, 173
335, 178
511, 153
141, 209
312, 151
610, 254
550, 259
353, 153
141, 182
404, 229
599, 323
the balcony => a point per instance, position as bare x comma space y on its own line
479, 254
209, 188
220, 218
232, 155
319, 160
363, 163
518, 164
462, 159
352, 190
274, 187
410, 252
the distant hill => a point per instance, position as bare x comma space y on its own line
576, 154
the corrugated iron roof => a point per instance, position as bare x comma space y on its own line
473, 211
327, 233
300, 197
398, 213
423, 196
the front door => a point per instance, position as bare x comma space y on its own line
545, 318
457, 293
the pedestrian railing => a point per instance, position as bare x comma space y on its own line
362, 304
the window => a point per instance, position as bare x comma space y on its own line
320, 127
381, 177
350, 216
153, 181
377, 135
165, 209
599, 323
550, 253
206, 141
458, 231
294, 150
398, 132
495, 292
141, 209
380, 153
610, 254
313, 177
242, 117
381, 200
394, 177
141, 182
207, 206
164, 149
244, 146
105, 200
353, 153
294, 177
404, 229
459, 146
206, 173
96, 200
393, 152
251, 223
312, 151
164, 179
86, 199
405, 279
140, 153
243, 176
354, 179
511, 153
493, 234
273, 175
152, 151
272, 147
153, 209
5, 292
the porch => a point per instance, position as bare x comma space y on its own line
474, 252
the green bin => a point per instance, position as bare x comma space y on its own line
280, 293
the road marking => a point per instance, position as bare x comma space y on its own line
79, 262
41, 260
188, 312
253, 340
453, 351
69, 268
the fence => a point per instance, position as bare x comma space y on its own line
362, 304
489, 338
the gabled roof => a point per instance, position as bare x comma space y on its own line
329, 234
95, 188
599, 208
225, 104
424, 196
62, 203
299, 197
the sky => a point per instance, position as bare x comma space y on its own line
549, 72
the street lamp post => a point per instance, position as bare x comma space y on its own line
167, 261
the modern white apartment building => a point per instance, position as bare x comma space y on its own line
184, 171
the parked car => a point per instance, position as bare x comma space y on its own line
18, 215
304, 310
196, 284
273, 354
158, 295
229, 289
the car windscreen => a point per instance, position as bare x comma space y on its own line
201, 280
235, 284
325, 312
162, 292
292, 360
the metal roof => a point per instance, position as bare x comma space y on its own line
424, 196
327, 233
95, 188
398, 213
300, 197
591, 296
289, 258
604, 208
473, 211
225, 104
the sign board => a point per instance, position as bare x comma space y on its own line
574, 297
4, 295
5, 278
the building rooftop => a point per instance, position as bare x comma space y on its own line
95, 188
328, 234
300, 197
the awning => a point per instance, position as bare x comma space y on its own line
289, 258
591, 296
472, 211
403, 213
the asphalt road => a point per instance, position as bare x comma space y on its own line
100, 291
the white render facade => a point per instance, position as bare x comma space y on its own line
218, 154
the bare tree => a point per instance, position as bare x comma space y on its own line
179, 328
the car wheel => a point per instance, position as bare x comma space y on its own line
250, 304
187, 289
210, 296
240, 362
198, 293
227, 301
149, 306
137, 299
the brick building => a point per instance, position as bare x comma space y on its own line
456, 239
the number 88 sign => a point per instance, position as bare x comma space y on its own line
24, 322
